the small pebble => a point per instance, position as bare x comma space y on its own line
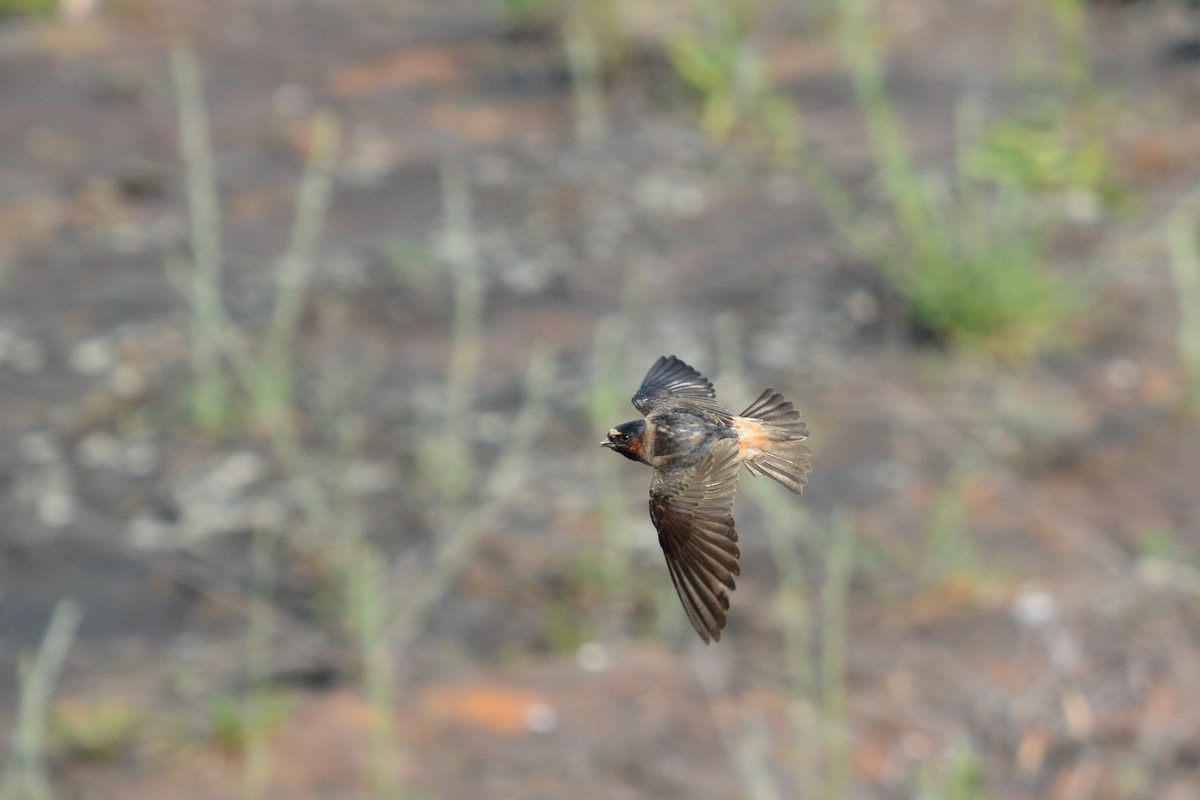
99, 450
149, 532
662, 194
93, 356
541, 718
55, 508
1035, 608
594, 657
128, 381
238, 470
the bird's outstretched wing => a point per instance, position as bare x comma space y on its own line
696, 531
671, 384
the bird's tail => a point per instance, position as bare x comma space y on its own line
771, 435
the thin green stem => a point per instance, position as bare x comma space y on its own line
834, 637
509, 471
375, 648
201, 282
259, 644
312, 205
912, 208
604, 403
1185, 271
587, 73
26, 777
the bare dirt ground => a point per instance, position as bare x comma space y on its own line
1051, 649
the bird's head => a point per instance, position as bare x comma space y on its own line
627, 440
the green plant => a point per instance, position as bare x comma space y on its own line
243, 378
1159, 541
947, 547
564, 631
1051, 55
369, 609
835, 624
230, 369
238, 720
956, 774
1070, 26
410, 258
717, 59
1037, 155
584, 28
27, 7
592, 46
467, 522
970, 261
986, 283
814, 625
447, 460
26, 777
526, 13
1185, 270
259, 706
814, 630
95, 731
605, 405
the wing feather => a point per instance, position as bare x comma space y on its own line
698, 537
672, 384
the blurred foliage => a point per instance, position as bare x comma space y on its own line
527, 13
599, 20
233, 369
711, 50
1183, 244
235, 721
26, 7
100, 730
1038, 156
971, 258
27, 774
716, 57
564, 629
1159, 541
968, 252
949, 548
956, 774
985, 283
971, 261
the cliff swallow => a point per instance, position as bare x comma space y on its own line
695, 446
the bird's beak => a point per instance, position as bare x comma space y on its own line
606, 443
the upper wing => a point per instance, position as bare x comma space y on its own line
672, 383
695, 529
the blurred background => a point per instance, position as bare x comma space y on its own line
312, 314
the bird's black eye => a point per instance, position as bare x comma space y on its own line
622, 438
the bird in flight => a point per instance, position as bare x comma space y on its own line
695, 447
